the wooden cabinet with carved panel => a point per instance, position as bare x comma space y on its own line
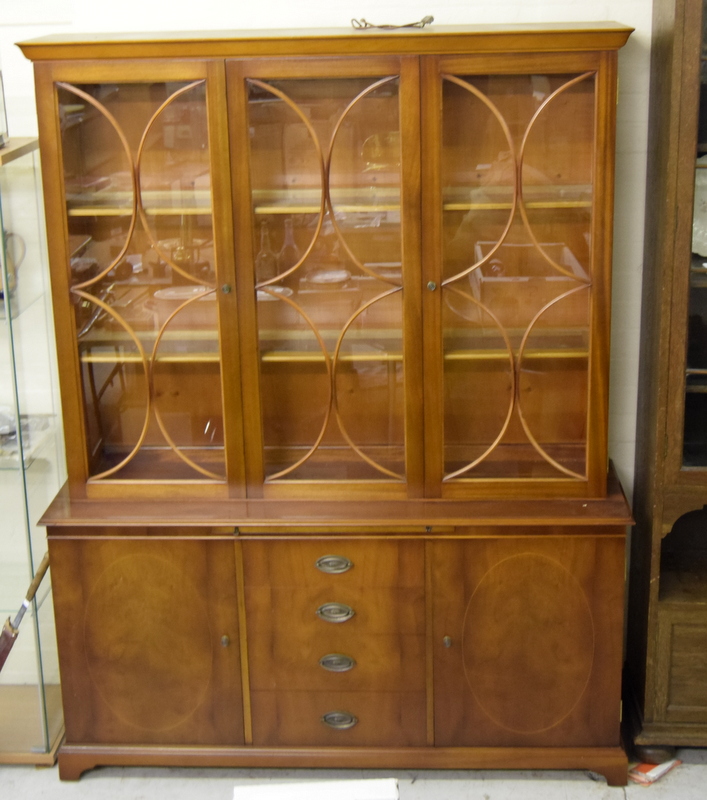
343, 298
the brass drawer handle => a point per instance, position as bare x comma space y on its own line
333, 565
335, 612
339, 720
337, 662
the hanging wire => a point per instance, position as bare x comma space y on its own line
363, 24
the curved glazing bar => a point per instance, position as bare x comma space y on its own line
335, 361
511, 149
513, 391
327, 169
327, 362
155, 405
320, 158
133, 177
521, 204
154, 241
143, 360
521, 351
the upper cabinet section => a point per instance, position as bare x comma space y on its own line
333, 264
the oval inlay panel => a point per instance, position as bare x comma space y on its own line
528, 643
148, 642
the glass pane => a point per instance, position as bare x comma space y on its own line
325, 179
138, 196
31, 460
517, 194
695, 434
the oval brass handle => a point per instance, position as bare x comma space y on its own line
333, 565
339, 720
335, 612
337, 662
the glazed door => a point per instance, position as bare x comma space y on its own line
148, 637
516, 270
326, 195
141, 245
528, 634
687, 430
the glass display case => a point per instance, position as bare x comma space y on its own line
31, 461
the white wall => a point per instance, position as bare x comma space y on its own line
30, 18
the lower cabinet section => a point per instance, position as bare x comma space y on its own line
148, 640
337, 650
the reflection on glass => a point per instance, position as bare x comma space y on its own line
138, 196
325, 178
517, 202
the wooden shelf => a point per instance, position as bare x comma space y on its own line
373, 199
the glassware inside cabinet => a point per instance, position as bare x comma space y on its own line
326, 182
137, 173
518, 161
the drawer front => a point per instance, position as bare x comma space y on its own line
313, 630
342, 719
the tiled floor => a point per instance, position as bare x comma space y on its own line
686, 782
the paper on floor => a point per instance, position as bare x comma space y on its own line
374, 789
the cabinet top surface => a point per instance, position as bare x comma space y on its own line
610, 510
302, 41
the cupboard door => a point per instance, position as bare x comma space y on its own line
349, 640
517, 260
327, 200
148, 641
528, 640
139, 249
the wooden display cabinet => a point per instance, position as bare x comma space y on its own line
668, 610
341, 293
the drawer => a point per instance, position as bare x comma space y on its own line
381, 719
290, 659
372, 564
